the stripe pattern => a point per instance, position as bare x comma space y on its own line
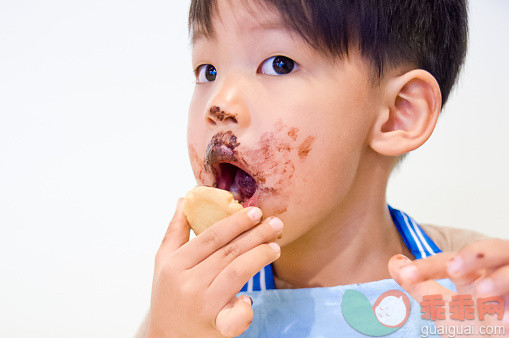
263, 280
413, 236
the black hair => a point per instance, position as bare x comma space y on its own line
427, 34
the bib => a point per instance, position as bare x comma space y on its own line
379, 308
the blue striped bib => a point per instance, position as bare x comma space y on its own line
317, 312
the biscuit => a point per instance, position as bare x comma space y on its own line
204, 206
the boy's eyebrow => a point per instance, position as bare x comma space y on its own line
200, 33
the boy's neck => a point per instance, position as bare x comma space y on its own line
354, 244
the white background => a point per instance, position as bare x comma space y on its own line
93, 104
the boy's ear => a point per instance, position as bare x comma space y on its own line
410, 107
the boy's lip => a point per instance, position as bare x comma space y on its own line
217, 158
222, 147
218, 154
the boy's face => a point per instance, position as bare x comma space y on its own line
298, 130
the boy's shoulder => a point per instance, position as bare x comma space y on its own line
451, 239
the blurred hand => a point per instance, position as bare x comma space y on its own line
480, 269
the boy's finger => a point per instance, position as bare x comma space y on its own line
262, 233
218, 235
237, 273
235, 318
178, 231
416, 289
433, 267
490, 253
496, 284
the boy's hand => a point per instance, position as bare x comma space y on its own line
196, 282
480, 269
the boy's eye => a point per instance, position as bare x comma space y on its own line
278, 65
206, 73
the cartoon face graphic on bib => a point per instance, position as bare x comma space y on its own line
389, 312
392, 308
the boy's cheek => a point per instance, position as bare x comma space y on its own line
197, 164
288, 163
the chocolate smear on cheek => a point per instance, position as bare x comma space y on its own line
293, 133
273, 161
280, 211
305, 146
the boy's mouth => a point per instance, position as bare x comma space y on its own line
221, 159
232, 178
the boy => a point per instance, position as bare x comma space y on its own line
302, 109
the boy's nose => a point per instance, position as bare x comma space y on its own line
216, 115
227, 106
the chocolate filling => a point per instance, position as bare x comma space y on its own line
235, 180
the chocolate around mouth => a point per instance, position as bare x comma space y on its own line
222, 147
220, 157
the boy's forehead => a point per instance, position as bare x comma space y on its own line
245, 17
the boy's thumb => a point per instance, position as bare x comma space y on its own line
235, 317
419, 289
178, 231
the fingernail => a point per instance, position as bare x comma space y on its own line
404, 258
276, 223
486, 286
275, 247
454, 266
255, 213
247, 300
408, 273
